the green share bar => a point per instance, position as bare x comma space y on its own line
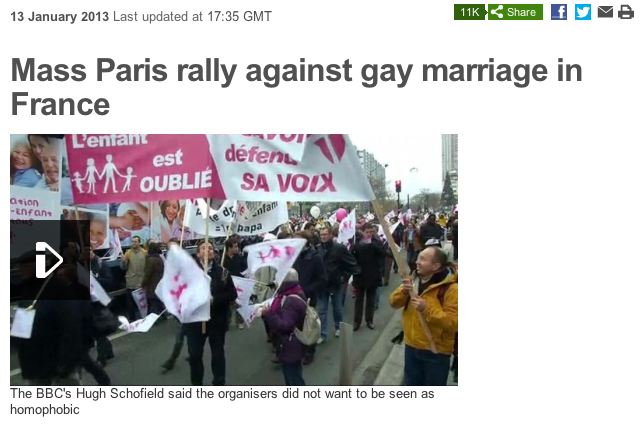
498, 12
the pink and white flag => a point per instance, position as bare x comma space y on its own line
383, 236
96, 291
249, 313
244, 289
389, 216
406, 217
347, 228
280, 254
333, 219
141, 326
184, 288
252, 169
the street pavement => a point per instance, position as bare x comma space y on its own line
248, 356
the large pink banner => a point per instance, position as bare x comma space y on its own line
116, 168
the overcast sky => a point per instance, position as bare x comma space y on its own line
404, 152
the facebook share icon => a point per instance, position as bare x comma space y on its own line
558, 12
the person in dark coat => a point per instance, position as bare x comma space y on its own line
430, 230
283, 319
312, 277
223, 294
54, 352
233, 261
339, 265
235, 264
152, 276
102, 273
69, 275
369, 252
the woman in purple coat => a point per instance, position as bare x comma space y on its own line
282, 319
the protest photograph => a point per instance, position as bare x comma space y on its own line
252, 260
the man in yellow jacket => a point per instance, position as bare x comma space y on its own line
435, 284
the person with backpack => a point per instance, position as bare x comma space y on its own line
313, 279
284, 317
431, 294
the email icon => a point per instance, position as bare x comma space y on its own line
604, 11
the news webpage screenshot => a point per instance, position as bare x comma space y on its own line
193, 274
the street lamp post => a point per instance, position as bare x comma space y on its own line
369, 177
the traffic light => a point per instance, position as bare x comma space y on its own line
397, 186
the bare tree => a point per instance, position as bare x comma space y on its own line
425, 200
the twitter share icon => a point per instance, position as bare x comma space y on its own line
582, 12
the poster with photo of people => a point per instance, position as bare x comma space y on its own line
35, 166
167, 221
130, 219
41, 187
99, 237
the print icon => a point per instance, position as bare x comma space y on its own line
625, 12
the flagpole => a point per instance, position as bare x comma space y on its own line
151, 216
183, 229
205, 259
205, 262
80, 235
223, 254
404, 270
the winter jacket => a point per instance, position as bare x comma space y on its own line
223, 294
235, 265
265, 286
152, 275
369, 258
134, 266
285, 319
442, 320
102, 273
338, 262
416, 243
311, 271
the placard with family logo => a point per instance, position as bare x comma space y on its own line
116, 168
